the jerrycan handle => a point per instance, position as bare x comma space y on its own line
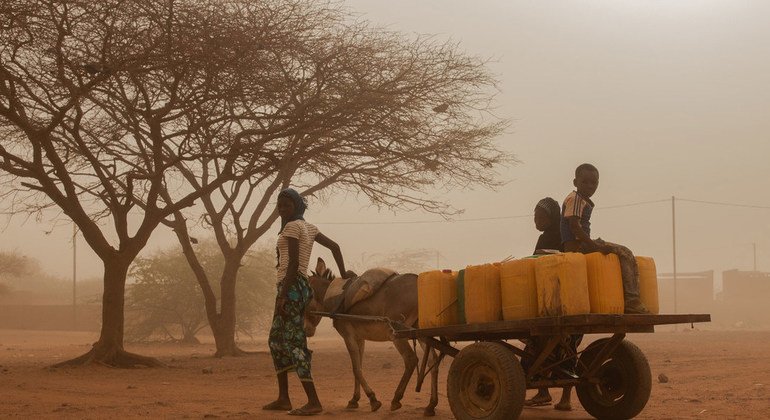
454, 301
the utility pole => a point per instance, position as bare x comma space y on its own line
755, 256
74, 276
673, 243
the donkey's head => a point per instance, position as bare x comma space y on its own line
319, 282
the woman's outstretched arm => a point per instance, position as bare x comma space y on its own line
336, 252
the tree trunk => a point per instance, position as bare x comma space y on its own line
109, 349
224, 325
224, 337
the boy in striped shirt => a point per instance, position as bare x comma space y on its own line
576, 234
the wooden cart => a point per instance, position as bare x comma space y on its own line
488, 379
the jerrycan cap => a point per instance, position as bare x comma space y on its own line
446, 271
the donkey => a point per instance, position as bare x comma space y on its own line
396, 300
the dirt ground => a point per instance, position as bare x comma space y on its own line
712, 374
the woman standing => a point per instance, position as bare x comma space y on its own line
287, 341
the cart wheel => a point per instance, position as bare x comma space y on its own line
486, 382
624, 382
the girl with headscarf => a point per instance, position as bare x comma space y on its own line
287, 340
548, 221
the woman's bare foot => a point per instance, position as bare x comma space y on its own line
563, 406
278, 405
307, 410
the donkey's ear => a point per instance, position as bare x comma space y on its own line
320, 266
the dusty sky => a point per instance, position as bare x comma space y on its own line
666, 98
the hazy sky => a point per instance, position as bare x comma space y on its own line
664, 97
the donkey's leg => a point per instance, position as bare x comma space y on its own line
373, 402
353, 403
430, 410
353, 344
410, 363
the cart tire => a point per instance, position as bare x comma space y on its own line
625, 382
508, 346
486, 381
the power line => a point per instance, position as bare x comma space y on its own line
416, 222
639, 203
719, 203
483, 219
478, 219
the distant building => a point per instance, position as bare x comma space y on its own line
744, 298
694, 292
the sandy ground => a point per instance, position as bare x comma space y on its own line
715, 375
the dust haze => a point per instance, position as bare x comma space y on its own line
667, 99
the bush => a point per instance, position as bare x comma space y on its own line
165, 299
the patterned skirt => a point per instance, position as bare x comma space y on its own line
287, 340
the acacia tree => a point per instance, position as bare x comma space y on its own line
394, 119
99, 103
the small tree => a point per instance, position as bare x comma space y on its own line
162, 300
165, 299
15, 265
21, 272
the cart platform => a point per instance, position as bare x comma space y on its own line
569, 324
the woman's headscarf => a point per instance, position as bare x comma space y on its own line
300, 205
551, 208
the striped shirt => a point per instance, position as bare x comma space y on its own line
305, 233
575, 205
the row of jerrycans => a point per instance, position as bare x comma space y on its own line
552, 285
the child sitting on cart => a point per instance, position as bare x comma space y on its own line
548, 220
576, 234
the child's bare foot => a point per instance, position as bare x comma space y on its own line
307, 410
278, 405
563, 406
538, 400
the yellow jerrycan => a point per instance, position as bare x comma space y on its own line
482, 293
605, 283
437, 299
648, 284
519, 289
562, 285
